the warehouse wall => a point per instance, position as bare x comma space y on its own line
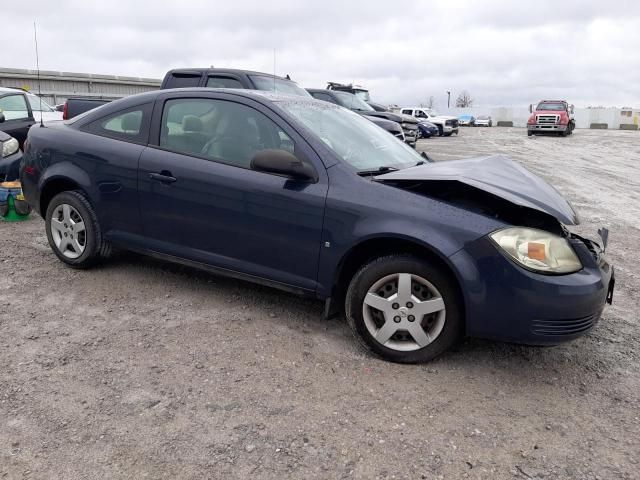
56, 87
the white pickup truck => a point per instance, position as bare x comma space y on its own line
447, 125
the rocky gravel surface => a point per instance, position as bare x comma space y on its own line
143, 369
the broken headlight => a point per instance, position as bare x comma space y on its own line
538, 250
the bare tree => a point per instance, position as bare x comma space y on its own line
464, 100
430, 102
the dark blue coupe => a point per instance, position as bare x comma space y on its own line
427, 130
310, 197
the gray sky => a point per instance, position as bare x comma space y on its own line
502, 52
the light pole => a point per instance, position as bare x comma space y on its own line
448, 99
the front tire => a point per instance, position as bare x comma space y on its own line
404, 309
73, 230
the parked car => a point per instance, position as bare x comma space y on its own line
315, 199
230, 78
427, 130
352, 102
551, 116
20, 109
76, 105
10, 157
484, 121
357, 90
345, 99
378, 107
447, 125
466, 121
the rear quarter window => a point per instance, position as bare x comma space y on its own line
130, 125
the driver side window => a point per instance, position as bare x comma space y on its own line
219, 130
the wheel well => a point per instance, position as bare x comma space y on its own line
379, 247
51, 189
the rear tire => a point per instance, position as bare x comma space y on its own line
529, 133
399, 330
73, 230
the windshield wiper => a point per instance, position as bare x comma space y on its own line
383, 169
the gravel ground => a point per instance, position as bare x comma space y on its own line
142, 369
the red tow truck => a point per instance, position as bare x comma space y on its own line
551, 116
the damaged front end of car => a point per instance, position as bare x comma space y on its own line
548, 284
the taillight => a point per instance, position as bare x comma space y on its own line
29, 170
65, 115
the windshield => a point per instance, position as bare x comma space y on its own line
352, 102
362, 95
35, 104
353, 138
280, 85
550, 106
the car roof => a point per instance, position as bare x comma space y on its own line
324, 90
225, 70
12, 89
145, 97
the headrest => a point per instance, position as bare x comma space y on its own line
131, 122
191, 123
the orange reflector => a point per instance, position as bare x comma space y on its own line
536, 251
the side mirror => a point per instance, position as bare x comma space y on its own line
282, 162
571, 108
426, 157
2, 119
530, 108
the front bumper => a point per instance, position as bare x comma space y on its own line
10, 167
506, 302
546, 128
410, 135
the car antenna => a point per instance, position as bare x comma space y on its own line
35, 37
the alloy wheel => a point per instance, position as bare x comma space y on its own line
404, 312
68, 231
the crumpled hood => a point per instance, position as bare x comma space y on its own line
498, 175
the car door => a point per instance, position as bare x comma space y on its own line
110, 155
199, 199
17, 115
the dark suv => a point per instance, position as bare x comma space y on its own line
353, 102
230, 78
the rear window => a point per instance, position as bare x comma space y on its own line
183, 80
274, 84
223, 82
